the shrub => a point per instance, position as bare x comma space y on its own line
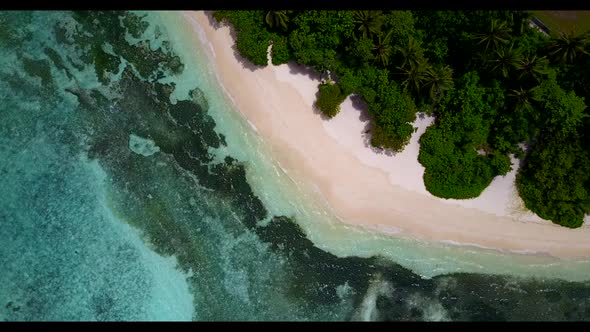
281, 51
253, 46
329, 99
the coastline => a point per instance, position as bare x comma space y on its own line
364, 188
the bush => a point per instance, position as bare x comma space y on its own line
452, 171
393, 113
253, 46
382, 138
500, 163
281, 51
220, 15
553, 182
329, 99
348, 82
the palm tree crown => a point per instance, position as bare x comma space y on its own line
415, 75
532, 66
368, 21
567, 47
498, 34
383, 48
437, 80
522, 98
412, 53
277, 18
505, 59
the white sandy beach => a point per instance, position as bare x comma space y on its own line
364, 187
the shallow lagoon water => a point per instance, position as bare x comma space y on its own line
131, 190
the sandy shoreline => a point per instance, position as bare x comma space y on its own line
362, 187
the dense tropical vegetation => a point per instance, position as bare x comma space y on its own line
496, 87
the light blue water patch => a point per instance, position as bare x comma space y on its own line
66, 257
64, 254
143, 146
170, 297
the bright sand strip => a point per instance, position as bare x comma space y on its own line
365, 188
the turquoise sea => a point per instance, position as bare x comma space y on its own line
130, 189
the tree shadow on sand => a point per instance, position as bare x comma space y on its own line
310, 73
297, 69
213, 22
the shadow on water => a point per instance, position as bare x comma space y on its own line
297, 69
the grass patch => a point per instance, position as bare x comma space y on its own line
564, 21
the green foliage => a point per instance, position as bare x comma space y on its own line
450, 149
567, 48
563, 112
392, 113
360, 53
500, 163
496, 35
368, 22
531, 42
383, 48
277, 19
220, 15
348, 82
531, 68
306, 50
451, 170
329, 99
281, 51
317, 35
437, 80
401, 24
504, 60
253, 47
438, 51
554, 182
576, 77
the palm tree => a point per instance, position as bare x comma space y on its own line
532, 66
522, 98
368, 21
383, 48
498, 34
437, 80
505, 59
277, 18
415, 75
412, 53
567, 47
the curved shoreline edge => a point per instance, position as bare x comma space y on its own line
275, 100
